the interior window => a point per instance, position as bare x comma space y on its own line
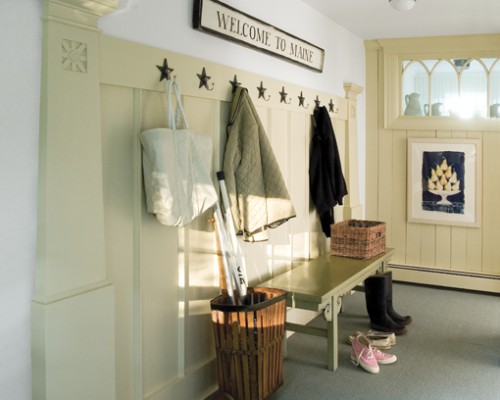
459, 87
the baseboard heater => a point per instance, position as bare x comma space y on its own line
445, 272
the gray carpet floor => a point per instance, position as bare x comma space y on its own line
451, 351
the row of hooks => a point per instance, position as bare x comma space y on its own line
166, 72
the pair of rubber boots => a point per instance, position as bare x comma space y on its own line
378, 294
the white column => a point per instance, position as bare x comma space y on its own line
352, 205
73, 306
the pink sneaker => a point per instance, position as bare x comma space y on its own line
383, 358
362, 354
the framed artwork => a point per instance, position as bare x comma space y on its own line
444, 181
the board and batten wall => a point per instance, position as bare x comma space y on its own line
164, 276
452, 256
122, 303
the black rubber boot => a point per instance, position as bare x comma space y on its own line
406, 320
376, 305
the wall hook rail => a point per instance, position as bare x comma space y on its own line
204, 78
165, 70
262, 91
283, 95
301, 100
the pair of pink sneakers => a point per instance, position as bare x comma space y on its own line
368, 357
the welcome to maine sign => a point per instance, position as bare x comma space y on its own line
217, 18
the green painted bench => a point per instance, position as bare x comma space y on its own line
319, 285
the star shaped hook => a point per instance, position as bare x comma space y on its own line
234, 83
332, 107
317, 101
262, 91
204, 78
165, 70
301, 101
283, 95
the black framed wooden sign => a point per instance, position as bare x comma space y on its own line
217, 18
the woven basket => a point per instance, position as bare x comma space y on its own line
248, 343
357, 238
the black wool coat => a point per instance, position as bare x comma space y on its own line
326, 180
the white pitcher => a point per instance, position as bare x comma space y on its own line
413, 106
495, 110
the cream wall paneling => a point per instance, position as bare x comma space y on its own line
121, 308
443, 255
176, 270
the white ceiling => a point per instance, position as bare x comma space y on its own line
375, 19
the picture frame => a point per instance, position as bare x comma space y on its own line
444, 181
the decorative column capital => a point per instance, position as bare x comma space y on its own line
78, 12
352, 90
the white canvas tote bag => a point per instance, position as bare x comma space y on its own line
176, 166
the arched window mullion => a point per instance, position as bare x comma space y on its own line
414, 86
433, 84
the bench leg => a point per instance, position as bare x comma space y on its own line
333, 333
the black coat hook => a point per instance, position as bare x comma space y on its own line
317, 102
165, 70
283, 95
332, 107
204, 78
234, 83
262, 91
301, 101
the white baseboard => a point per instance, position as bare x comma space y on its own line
446, 278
